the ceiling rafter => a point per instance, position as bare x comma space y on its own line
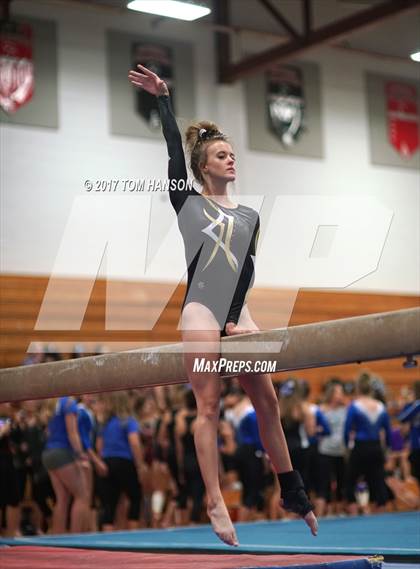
5, 10
230, 72
307, 16
278, 16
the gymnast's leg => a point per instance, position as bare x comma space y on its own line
260, 390
199, 325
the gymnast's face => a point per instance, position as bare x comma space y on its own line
220, 163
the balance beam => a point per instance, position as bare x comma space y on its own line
358, 339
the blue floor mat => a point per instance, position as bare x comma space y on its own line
386, 534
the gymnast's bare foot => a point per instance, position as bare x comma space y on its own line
310, 520
221, 523
294, 498
312, 523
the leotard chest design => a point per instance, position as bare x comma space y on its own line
220, 242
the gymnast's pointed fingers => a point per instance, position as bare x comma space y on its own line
136, 83
312, 522
146, 71
137, 76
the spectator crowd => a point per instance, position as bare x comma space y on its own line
126, 459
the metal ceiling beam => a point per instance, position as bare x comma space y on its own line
280, 18
222, 40
307, 16
343, 27
5, 10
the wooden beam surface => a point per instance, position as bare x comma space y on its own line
358, 339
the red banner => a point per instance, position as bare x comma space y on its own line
403, 117
16, 66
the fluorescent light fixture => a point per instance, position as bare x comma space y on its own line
415, 56
170, 8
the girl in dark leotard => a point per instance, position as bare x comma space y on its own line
220, 241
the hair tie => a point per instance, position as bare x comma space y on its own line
204, 134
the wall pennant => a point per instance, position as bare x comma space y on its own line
16, 66
285, 103
402, 117
158, 59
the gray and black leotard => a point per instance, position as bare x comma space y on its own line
220, 242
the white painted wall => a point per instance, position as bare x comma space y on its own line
43, 170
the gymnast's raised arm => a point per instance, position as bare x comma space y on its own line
177, 170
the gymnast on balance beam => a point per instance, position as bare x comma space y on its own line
220, 239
